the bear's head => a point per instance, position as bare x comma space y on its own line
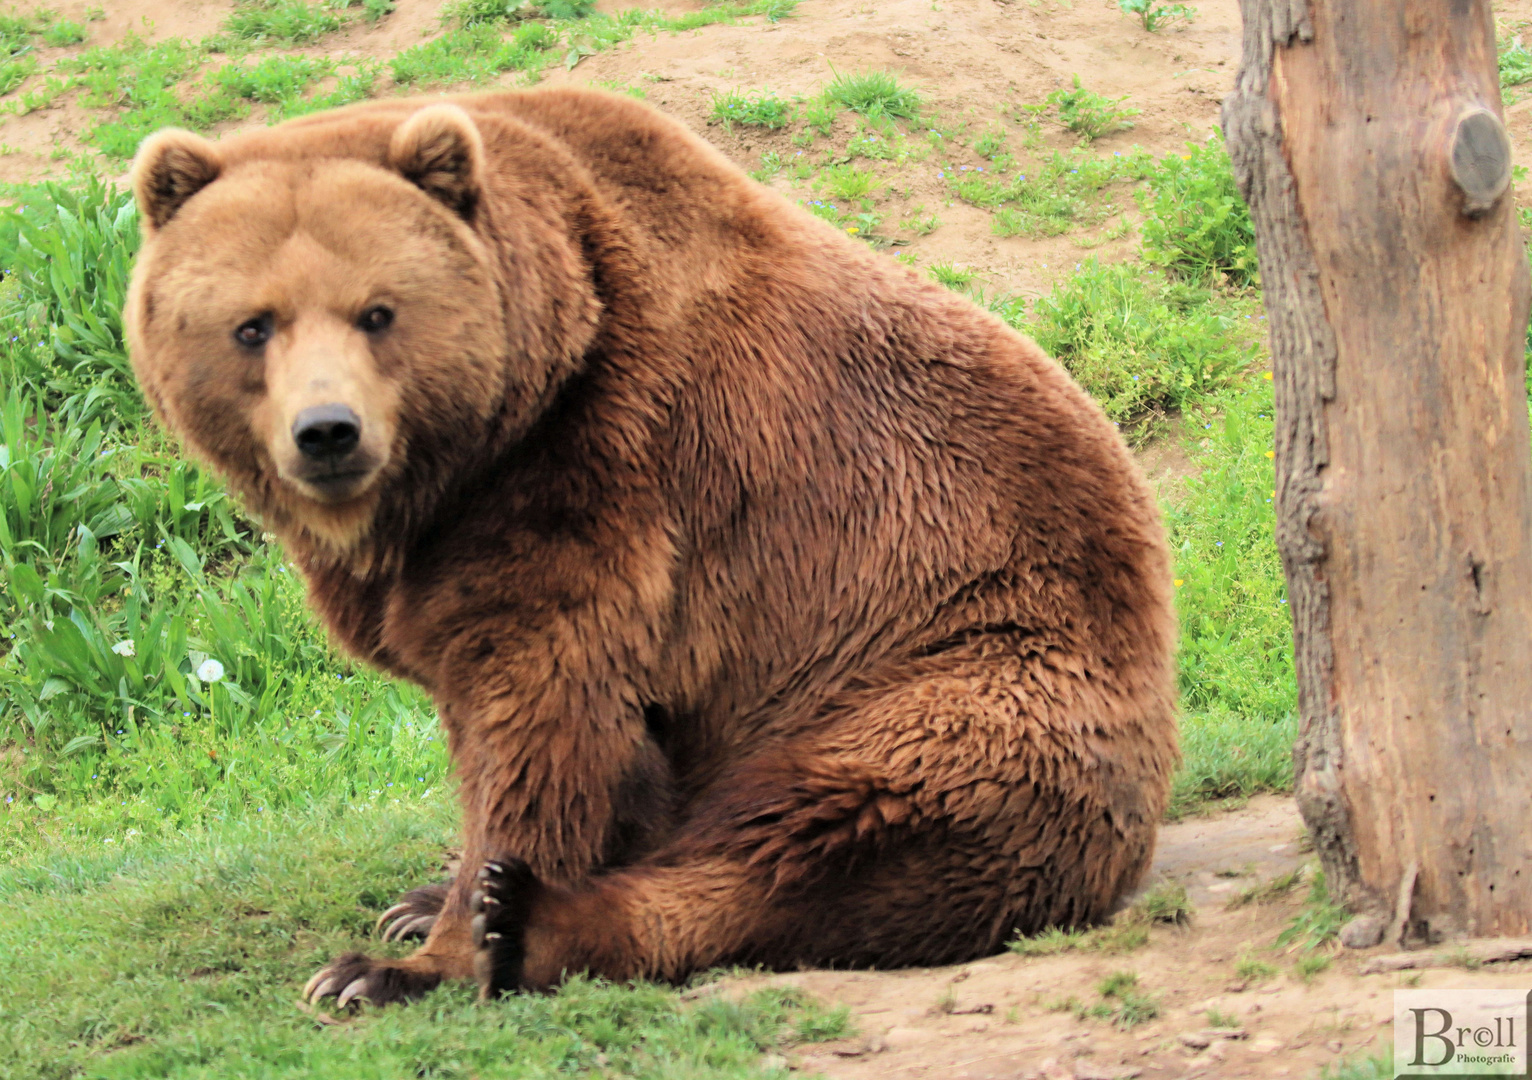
332, 333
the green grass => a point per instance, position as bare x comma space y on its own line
849, 182
1196, 225
1319, 922
1124, 1002
1515, 63
958, 278
762, 109
140, 82
184, 957
874, 93
1238, 691
1049, 197
63, 33
1139, 345
475, 54
291, 22
1252, 968
475, 12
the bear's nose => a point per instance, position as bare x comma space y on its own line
327, 432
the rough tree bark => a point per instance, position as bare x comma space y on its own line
1366, 136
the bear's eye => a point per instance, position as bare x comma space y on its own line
375, 319
253, 333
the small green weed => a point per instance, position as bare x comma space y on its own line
1320, 920
878, 146
1220, 1019
992, 142
874, 93
1124, 1002
1196, 225
1310, 965
1155, 14
920, 226
771, 164
958, 278
849, 182
1251, 968
764, 109
141, 81
1050, 942
1090, 115
1166, 903
820, 115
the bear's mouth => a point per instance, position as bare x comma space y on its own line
336, 487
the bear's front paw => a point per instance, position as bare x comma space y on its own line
357, 975
414, 914
501, 906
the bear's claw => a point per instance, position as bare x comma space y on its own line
501, 906
413, 915
356, 975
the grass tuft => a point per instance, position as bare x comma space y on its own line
764, 109
1319, 922
874, 93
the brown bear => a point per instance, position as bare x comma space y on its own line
780, 607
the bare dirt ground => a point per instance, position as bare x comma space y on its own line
998, 1018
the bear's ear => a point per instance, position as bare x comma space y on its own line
440, 151
171, 166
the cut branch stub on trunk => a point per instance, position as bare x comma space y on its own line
1367, 138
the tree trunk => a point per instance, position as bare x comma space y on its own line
1366, 137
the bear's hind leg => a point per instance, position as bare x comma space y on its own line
1000, 784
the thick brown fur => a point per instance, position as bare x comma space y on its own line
780, 607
